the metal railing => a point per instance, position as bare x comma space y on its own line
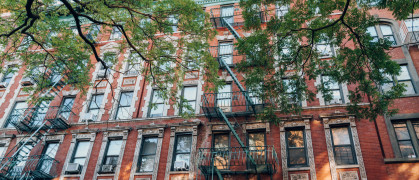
230, 102
233, 159
29, 119
233, 15
36, 167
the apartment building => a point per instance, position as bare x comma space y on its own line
139, 136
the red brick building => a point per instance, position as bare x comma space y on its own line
98, 137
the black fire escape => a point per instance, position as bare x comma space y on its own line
23, 161
257, 160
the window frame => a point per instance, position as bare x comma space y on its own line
150, 104
220, 55
73, 155
115, 30
288, 148
342, 96
222, 150
7, 123
187, 101
352, 145
172, 168
412, 133
9, 76
379, 33
62, 105
106, 156
119, 104
141, 155
394, 79
94, 96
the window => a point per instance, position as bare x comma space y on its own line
94, 106
164, 62
382, 31
123, 111
227, 12
403, 78
182, 152
296, 147
66, 106
49, 157
134, 66
8, 75
335, 90
281, 10
325, 48
189, 98
18, 110
257, 146
147, 155
75, 31
116, 34
342, 145
93, 32
173, 20
40, 113
109, 59
156, 105
49, 38
26, 42
290, 90
224, 96
412, 24
191, 60
225, 52
405, 137
221, 153
373, 33
80, 153
112, 154
254, 94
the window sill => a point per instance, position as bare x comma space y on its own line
143, 173
347, 166
410, 95
71, 175
400, 160
299, 169
179, 172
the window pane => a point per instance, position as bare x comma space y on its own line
416, 127
156, 97
189, 93
114, 147
149, 146
125, 99
297, 156
371, 30
386, 30
281, 10
257, 139
21, 105
404, 73
123, 113
295, 138
185, 158
341, 136
221, 141
80, 161
68, 103
156, 110
2, 149
51, 150
412, 24
406, 148
401, 131
184, 144
409, 87
147, 163
111, 160
96, 101
82, 149
330, 83
343, 155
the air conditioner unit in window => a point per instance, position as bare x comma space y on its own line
180, 166
73, 168
107, 168
89, 117
27, 81
4, 84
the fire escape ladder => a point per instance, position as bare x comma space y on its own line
23, 123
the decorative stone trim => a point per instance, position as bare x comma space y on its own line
148, 131
77, 137
348, 175
297, 122
182, 128
341, 118
147, 100
106, 136
299, 176
48, 138
5, 142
